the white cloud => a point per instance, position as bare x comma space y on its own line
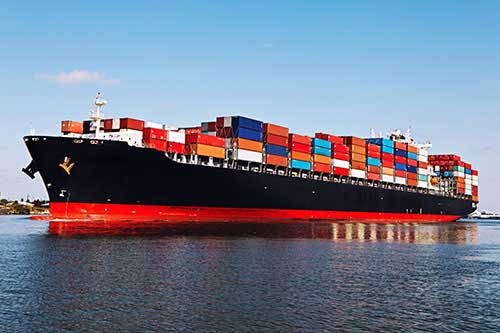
77, 77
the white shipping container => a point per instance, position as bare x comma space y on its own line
458, 174
475, 183
175, 136
153, 125
170, 128
400, 180
358, 173
422, 171
248, 155
422, 184
422, 158
227, 121
387, 178
115, 124
475, 178
423, 152
340, 164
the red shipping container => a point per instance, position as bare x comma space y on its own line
411, 182
422, 165
460, 163
224, 132
400, 173
332, 138
340, 171
205, 139
108, 124
208, 126
275, 130
411, 175
192, 130
160, 145
321, 167
341, 156
374, 154
273, 139
474, 173
175, 147
296, 138
468, 166
387, 157
130, 123
388, 164
358, 165
68, 126
373, 176
300, 147
340, 148
154, 133
372, 147
219, 122
411, 162
400, 159
373, 169
400, 146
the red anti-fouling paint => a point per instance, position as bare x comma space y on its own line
121, 212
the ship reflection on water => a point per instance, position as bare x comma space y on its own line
457, 233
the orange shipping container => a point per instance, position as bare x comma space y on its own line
296, 138
68, 126
412, 149
247, 144
400, 145
275, 129
388, 171
353, 141
297, 155
205, 150
358, 150
358, 165
322, 159
277, 160
358, 157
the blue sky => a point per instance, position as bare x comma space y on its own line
341, 67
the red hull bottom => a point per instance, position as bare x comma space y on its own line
128, 212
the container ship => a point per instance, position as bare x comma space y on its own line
240, 169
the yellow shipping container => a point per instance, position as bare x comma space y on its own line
321, 159
205, 150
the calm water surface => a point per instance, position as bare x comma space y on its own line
321, 277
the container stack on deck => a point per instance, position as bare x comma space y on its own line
275, 145
453, 168
422, 171
411, 165
340, 154
400, 165
386, 158
209, 128
205, 145
300, 151
176, 141
245, 142
155, 138
71, 127
373, 161
357, 148
321, 151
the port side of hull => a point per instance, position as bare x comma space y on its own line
123, 212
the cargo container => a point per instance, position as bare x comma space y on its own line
275, 130
321, 151
332, 138
240, 122
302, 139
356, 173
206, 150
247, 155
297, 155
151, 133
276, 140
130, 123
240, 143
340, 148
176, 147
160, 145
276, 160
300, 147
205, 140
340, 171
276, 150
176, 136
299, 164
246, 133
321, 167
208, 126
68, 126
321, 159
340, 163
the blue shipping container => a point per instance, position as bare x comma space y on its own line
277, 150
468, 171
321, 143
238, 122
400, 166
448, 174
381, 142
246, 133
296, 164
412, 156
400, 152
422, 178
388, 150
412, 169
373, 161
321, 151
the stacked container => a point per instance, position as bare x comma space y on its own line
340, 154
275, 145
155, 138
475, 184
321, 152
299, 147
357, 149
223, 127
400, 165
373, 161
209, 127
176, 141
205, 145
452, 167
422, 171
386, 158
411, 165
245, 142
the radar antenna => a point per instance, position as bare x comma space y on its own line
96, 115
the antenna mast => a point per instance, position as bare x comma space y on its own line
96, 115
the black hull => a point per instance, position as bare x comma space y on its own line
114, 173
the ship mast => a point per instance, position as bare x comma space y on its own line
96, 115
